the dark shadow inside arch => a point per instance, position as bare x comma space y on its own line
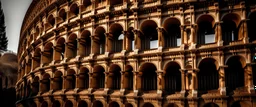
97, 104
113, 104
172, 78
149, 77
68, 104
148, 105
56, 104
82, 104
234, 74
251, 27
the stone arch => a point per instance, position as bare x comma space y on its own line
114, 80
99, 40
251, 26
45, 87
147, 104
230, 28
97, 103
35, 86
85, 41
113, 104
68, 103
206, 31
211, 104
56, 103
172, 77
71, 79
48, 53
71, 51
149, 77
172, 32
51, 21
37, 58
234, 73
128, 78
149, 38
59, 49
57, 81
208, 76
99, 80
74, 10
82, 103
62, 15
83, 82
44, 104
117, 36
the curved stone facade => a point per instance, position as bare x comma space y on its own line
137, 53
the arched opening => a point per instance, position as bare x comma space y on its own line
83, 78
68, 103
210, 105
51, 21
206, 32
99, 77
97, 104
35, 86
130, 39
74, 10
208, 76
59, 50
44, 104
114, 80
48, 54
148, 105
87, 3
128, 78
149, 39
172, 78
116, 37
71, 79
85, 41
56, 103
37, 58
172, 105
149, 77
251, 27
28, 89
28, 65
229, 28
37, 33
57, 81
172, 36
45, 83
234, 73
116, 2
254, 74
128, 105
99, 40
62, 16
82, 104
72, 46
113, 104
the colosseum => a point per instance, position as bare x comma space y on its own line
138, 53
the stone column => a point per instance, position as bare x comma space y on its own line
135, 84
218, 34
106, 87
222, 80
160, 82
183, 81
137, 39
249, 73
109, 38
122, 88
183, 37
161, 41
194, 83
125, 41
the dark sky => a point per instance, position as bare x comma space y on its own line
14, 11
